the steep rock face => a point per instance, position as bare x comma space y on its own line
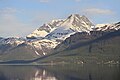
80, 37
108, 43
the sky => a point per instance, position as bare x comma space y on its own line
20, 17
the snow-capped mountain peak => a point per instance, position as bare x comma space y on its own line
74, 23
45, 29
78, 23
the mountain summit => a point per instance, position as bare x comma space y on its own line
80, 23
74, 23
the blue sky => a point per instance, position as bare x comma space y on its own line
21, 17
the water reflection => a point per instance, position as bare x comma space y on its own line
25, 73
43, 75
66, 72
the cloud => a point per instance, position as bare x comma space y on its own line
44, 1
42, 17
10, 25
77, 0
41, 1
97, 11
8, 10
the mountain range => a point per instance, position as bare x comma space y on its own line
75, 39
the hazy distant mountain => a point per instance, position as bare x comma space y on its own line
107, 27
8, 43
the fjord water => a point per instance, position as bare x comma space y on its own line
60, 72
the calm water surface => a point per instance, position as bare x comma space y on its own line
60, 72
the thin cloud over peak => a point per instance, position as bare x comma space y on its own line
95, 11
44, 1
77, 0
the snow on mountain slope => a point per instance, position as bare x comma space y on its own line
101, 25
74, 23
60, 33
37, 33
43, 47
107, 27
45, 29
78, 23
12, 41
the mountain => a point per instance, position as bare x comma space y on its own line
74, 23
76, 33
57, 31
101, 50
